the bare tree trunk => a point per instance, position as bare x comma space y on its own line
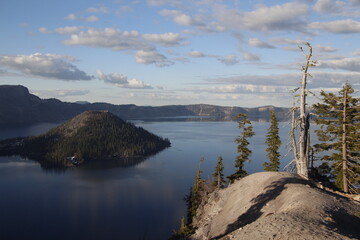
293, 138
304, 126
344, 145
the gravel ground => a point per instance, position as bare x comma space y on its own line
273, 205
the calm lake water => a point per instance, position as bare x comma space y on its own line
137, 200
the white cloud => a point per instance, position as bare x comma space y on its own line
288, 16
43, 30
320, 80
356, 52
121, 81
114, 78
319, 48
255, 42
338, 8
44, 65
92, 19
170, 13
328, 6
334, 79
156, 2
152, 57
137, 84
181, 59
58, 93
250, 57
71, 16
182, 18
128, 40
350, 64
197, 54
229, 60
242, 88
355, 2
201, 21
100, 9
108, 38
164, 2
284, 41
338, 26
165, 39
123, 9
68, 30
291, 48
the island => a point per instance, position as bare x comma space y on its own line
89, 136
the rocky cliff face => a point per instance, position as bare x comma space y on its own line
17, 105
272, 205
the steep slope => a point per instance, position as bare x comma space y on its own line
92, 135
273, 205
17, 105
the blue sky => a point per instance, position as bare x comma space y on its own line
162, 52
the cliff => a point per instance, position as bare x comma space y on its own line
271, 205
17, 105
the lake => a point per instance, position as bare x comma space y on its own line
138, 200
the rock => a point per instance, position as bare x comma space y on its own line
272, 205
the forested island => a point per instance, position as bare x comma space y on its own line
92, 135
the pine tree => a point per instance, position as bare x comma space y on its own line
218, 174
183, 232
338, 117
196, 193
242, 148
273, 141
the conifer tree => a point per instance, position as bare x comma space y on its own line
338, 117
183, 232
242, 148
218, 174
196, 192
273, 142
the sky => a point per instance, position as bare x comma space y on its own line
165, 52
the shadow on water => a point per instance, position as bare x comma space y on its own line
114, 163
254, 212
99, 164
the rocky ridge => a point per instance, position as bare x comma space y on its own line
271, 205
18, 105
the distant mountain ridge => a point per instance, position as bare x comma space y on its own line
18, 105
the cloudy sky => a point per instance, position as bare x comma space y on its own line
161, 52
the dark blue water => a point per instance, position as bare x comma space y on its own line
139, 200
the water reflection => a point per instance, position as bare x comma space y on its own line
114, 163
133, 199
